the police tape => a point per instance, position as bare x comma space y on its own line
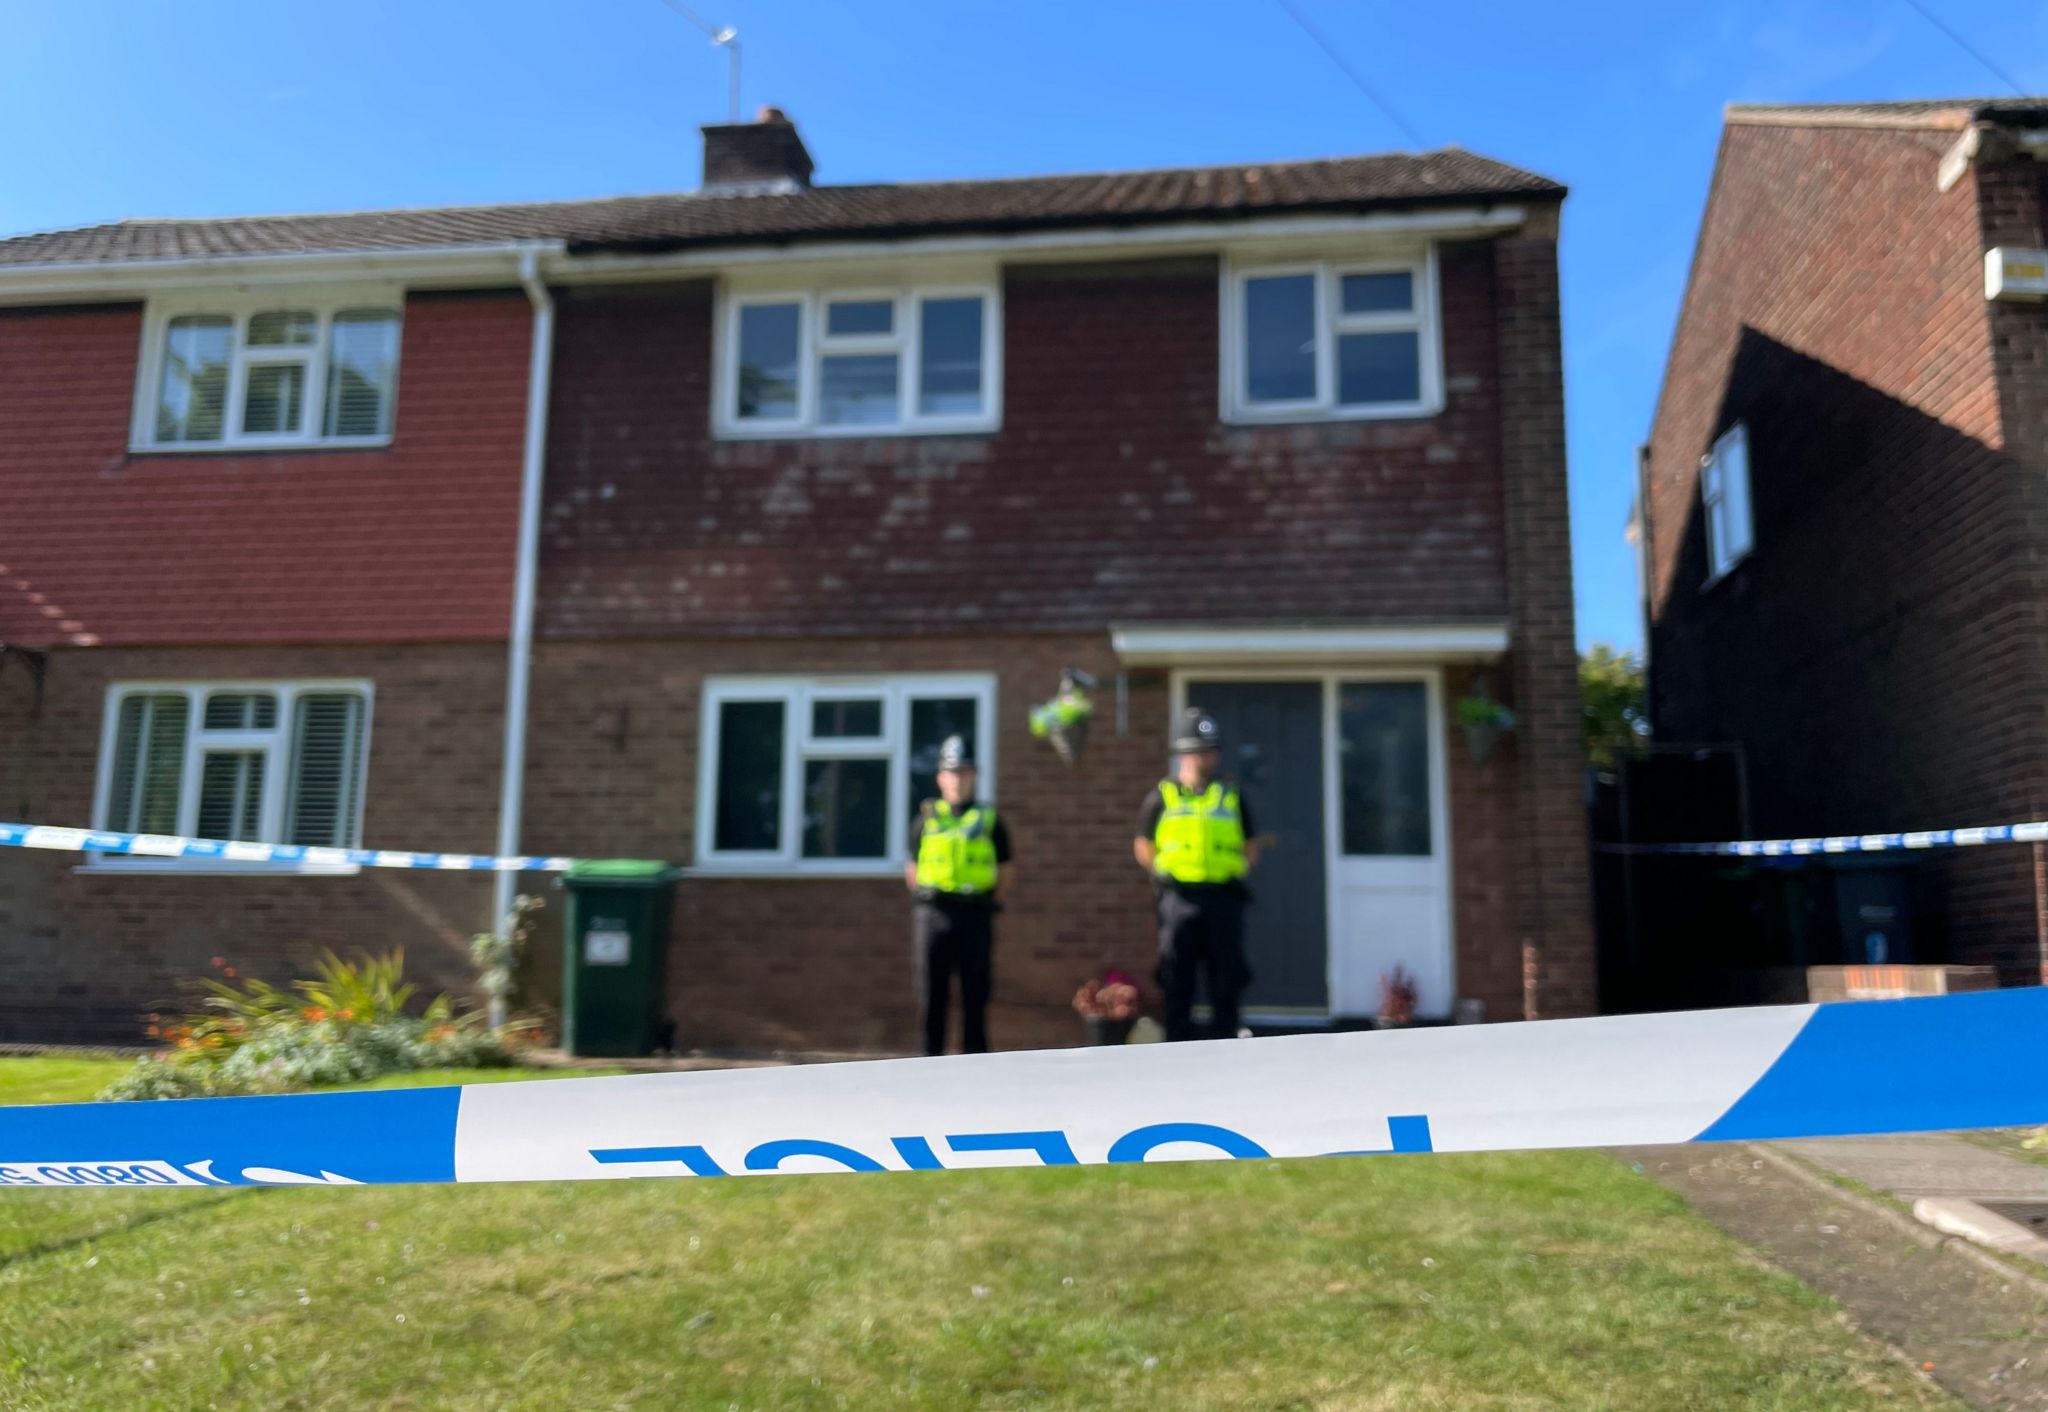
152, 845
1961, 1061
172, 846
2036, 832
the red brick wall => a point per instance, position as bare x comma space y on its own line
1552, 906
408, 543
1112, 493
2013, 207
1487, 861
806, 962
85, 955
1879, 653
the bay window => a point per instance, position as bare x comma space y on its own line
824, 775
268, 371
849, 362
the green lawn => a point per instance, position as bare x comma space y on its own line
1536, 1281
46, 1080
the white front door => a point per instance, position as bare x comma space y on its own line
1389, 879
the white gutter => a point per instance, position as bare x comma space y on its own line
519, 650
1446, 222
447, 266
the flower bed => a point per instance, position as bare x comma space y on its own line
350, 1024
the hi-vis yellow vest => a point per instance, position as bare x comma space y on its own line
1200, 837
956, 853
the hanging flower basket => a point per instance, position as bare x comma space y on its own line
1484, 721
1063, 721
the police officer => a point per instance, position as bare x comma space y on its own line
1195, 839
960, 865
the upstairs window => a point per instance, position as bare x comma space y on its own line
1724, 500
259, 763
824, 776
269, 374
1330, 339
859, 362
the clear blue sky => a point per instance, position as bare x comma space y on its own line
213, 107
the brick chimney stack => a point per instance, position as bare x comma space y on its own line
766, 154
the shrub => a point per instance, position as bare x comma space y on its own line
348, 1024
497, 953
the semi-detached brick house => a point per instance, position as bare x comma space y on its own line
824, 474
1846, 492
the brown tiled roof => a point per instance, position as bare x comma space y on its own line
1915, 112
650, 223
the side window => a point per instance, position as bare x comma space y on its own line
1724, 501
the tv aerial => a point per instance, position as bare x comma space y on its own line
722, 37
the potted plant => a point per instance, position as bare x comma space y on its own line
1108, 1006
1484, 719
1397, 999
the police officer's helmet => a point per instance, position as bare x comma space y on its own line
954, 754
1198, 731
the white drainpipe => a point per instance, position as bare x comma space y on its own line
519, 654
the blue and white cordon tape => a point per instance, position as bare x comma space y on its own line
1847, 843
1960, 1061
153, 845
171, 846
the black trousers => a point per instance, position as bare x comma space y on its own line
955, 937
1201, 932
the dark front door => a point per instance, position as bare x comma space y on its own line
1273, 744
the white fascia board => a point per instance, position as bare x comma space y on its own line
445, 267
1443, 223
1276, 646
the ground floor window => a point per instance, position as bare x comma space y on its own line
257, 762
823, 774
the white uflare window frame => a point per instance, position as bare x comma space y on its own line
798, 745
324, 303
1425, 320
814, 344
274, 742
1725, 503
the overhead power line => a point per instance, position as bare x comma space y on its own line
1968, 48
1377, 98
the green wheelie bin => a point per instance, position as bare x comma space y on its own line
614, 952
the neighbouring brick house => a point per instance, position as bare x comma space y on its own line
1844, 508
824, 474
310, 590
